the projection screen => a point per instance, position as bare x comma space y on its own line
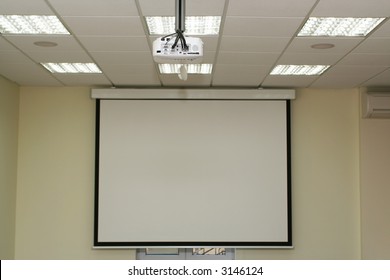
192, 172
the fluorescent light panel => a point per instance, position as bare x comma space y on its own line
72, 68
19, 24
299, 70
332, 27
194, 25
191, 68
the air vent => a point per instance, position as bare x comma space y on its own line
376, 105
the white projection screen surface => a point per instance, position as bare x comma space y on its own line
190, 173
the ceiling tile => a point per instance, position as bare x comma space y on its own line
352, 8
26, 43
210, 43
5, 46
105, 26
255, 36
131, 74
265, 8
303, 44
28, 74
239, 75
23, 7
95, 7
260, 27
366, 59
247, 58
122, 57
112, 44
59, 56
253, 44
374, 45
151, 79
83, 79
347, 76
383, 31
128, 69
193, 8
288, 81
338, 82
382, 79
208, 57
192, 80
13, 57
310, 58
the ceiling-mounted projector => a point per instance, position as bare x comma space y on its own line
166, 50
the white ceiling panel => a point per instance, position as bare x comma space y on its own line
128, 69
210, 44
341, 46
365, 59
253, 44
254, 58
381, 80
208, 57
23, 7
288, 81
383, 30
138, 80
194, 80
266, 8
334, 81
310, 58
5, 45
26, 43
13, 57
260, 27
255, 35
28, 74
114, 44
105, 26
131, 74
239, 75
347, 76
193, 7
95, 7
122, 57
59, 56
374, 45
83, 79
352, 8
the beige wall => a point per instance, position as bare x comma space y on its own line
325, 178
9, 114
375, 188
54, 217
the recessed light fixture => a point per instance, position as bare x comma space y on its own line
299, 70
191, 68
333, 27
194, 25
20, 24
72, 68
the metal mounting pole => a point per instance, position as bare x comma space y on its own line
180, 15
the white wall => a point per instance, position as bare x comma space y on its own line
9, 114
54, 217
375, 188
